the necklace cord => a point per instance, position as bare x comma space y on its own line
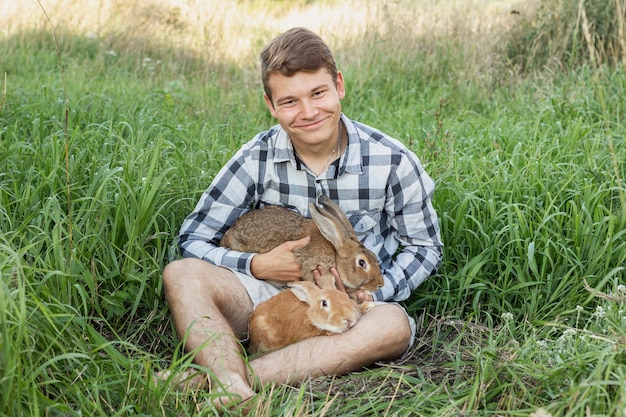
336, 150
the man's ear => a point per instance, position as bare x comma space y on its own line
341, 85
269, 104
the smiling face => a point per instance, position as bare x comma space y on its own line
308, 106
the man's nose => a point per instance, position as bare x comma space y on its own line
308, 109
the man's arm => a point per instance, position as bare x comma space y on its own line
231, 194
415, 225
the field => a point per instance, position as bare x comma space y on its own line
115, 115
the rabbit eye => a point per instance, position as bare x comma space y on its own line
324, 303
362, 263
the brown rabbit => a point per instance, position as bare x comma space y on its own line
300, 312
333, 242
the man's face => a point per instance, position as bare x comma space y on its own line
307, 105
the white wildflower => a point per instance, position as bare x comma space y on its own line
540, 412
507, 317
567, 336
569, 333
600, 312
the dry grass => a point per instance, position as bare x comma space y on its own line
234, 30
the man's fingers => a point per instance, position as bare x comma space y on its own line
297, 244
338, 282
317, 274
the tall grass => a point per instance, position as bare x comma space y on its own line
539, 197
527, 311
564, 33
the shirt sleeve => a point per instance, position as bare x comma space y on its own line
231, 194
414, 224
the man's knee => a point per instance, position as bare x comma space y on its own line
183, 273
191, 277
170, 273
397, 332
173, 273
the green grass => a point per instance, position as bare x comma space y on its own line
527, 312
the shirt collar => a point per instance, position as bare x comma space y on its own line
351, 161
283, 149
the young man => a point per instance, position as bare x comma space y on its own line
314, 150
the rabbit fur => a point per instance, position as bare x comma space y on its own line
333, 242
300, 312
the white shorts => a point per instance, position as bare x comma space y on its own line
260, 291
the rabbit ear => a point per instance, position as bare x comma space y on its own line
333, 228
302, 290
336, 211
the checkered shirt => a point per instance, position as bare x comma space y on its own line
378, 182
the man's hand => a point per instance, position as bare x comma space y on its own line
317, 273
361, 296
279, 264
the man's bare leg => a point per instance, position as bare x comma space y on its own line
383, 333
210, 308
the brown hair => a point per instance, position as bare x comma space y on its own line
297, 49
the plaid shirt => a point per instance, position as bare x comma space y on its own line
378, 182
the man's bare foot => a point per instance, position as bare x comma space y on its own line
184, 380
234, 396
234, 399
